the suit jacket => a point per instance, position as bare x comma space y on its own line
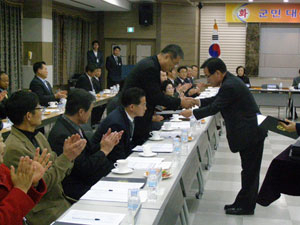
45, 94
146, 75
117, 120
15, 204
89, 166
54, 202
239, 109
114, 69
83, 82
97, 84
296, 81
91, 58
178, 81
189, 80
245, 79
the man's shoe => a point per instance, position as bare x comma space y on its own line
229, 206
239, 211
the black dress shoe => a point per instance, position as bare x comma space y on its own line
239, 211
229, 206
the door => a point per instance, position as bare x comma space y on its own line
132, 51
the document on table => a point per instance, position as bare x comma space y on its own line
168, 112
91, 218
163, 147
180, 125
170, 134
139, 163
110, 191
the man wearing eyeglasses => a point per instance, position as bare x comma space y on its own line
146, 75
239, 110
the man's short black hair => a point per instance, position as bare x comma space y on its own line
37, 66
174, 51
95, 41
214, 64
78, 99
117, 47
180, 68
91, 67
237, 69
194, 66
132, 96
165, 84
20, 103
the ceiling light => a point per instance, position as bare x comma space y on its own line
285, 0
250, 0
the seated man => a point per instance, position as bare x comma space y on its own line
24, 111
122, 119
92, 164
85, 81
181, 80
97, 80
4, 84
41, 87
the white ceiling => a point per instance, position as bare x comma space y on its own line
102, 5
125, 5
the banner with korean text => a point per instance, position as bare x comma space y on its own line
263, 13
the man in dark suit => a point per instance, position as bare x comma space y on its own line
97, 80
146, 75
95, 56
239, 110
181, 79
122, 118
42, 87
92, 163
85, 81
114, 67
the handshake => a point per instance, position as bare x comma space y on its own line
188, 102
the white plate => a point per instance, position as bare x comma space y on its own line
175, 120
116, 170
150, 155
158, 139
170, 129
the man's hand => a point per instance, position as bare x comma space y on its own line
22, 179
110, 140
202, 86
2, 95
187, 102
193, 91
61, 94
291, 127
157, 118
187, 113
73, 146
41, 164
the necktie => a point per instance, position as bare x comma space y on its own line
46, 85
131, 124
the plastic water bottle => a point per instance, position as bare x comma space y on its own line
177, 148
280, 85
299, 86
152, 185
133, 204
184, 141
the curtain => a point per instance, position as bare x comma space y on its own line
11, 43
71, 40
252, 48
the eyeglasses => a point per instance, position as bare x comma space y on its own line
41, 108
175, 64
207, 76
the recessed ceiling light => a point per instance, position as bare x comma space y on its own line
250, 0
285, 0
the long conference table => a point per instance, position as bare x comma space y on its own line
50, 115
170, 206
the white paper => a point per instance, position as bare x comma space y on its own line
111, 191
139, 163
6, 125
170, 134
180, 125
92, 217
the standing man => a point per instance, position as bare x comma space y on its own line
114, 67
95, 55
42, 87
238, 108
146, 75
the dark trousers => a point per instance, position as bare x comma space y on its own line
111, 83
97, 114
251, 162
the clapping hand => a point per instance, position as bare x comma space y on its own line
41, 164
22, 179
73, 146
110, 140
